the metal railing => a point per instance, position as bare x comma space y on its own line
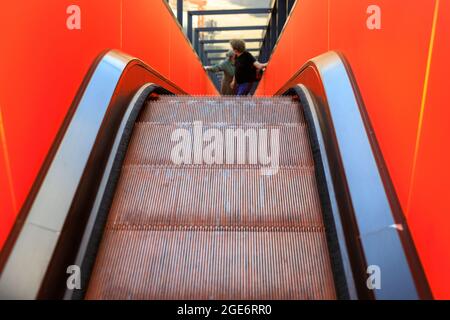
280, 11
278, 14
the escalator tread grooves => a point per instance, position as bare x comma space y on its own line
175, 250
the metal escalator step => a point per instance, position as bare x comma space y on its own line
213, 264
220, 231
151, 143
202, 196
227, 110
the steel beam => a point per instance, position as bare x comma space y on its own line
203, 54
290, 5
226, 50
228, 40
189, 26
196, 41
223, 58
230, 11
221, 12
234, 28
180, 11
273, 31
282, 14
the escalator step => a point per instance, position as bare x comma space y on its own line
151, 143
148, 195
220, 231
178, 263
171, 109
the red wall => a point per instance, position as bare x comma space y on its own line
43, 63
390, 66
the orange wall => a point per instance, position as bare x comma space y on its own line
429, 207
411, 119
43, 63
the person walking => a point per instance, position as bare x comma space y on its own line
245, 68
227, 67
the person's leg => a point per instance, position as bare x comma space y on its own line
243, 89
223, 88
240, 89
248, 89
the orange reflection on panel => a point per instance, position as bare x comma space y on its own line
43, 64
429, 216
389, 65
146, 33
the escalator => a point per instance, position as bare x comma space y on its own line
214, 231
112, 201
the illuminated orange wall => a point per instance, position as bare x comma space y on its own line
411, 116
42, 65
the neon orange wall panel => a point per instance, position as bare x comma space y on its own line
411, 123
429, 206
43, 63
389, 66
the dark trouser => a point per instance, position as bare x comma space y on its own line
243, 89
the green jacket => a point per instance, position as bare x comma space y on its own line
227, 67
